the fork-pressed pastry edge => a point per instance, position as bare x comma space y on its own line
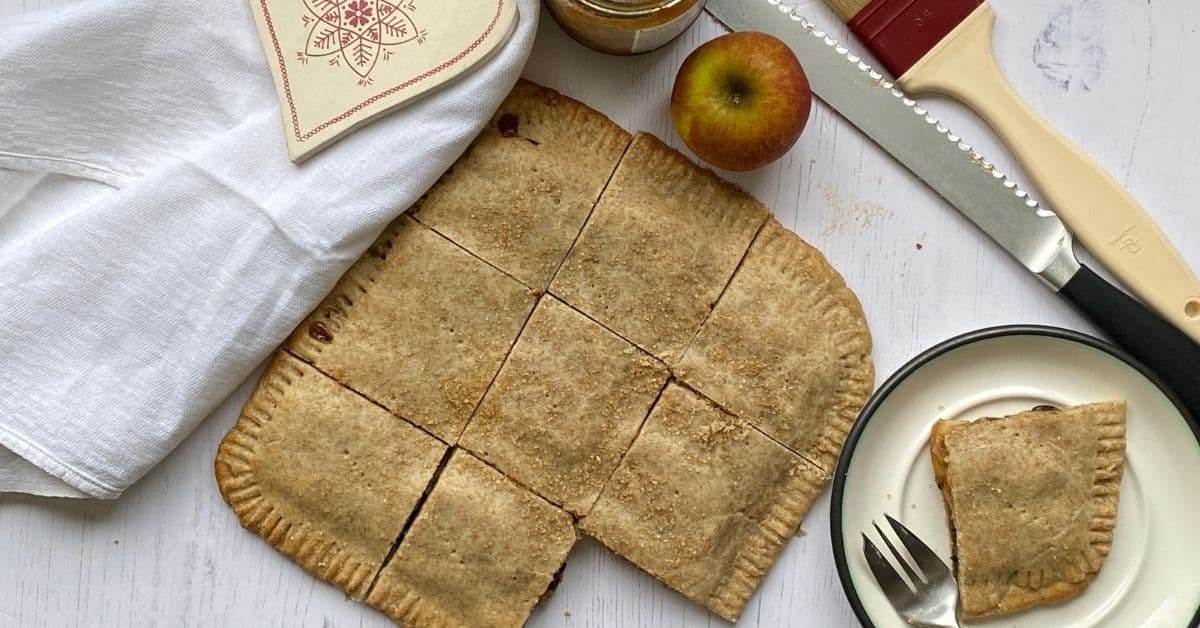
752, 563
235, 466
1021, 589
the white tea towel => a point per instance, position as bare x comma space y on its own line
155, 242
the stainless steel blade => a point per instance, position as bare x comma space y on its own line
899, 125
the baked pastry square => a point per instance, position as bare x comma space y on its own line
322, 474
481, 552
418, 325
522, 192
704, 502
787, 348
565, 407
660, 246
1031, 501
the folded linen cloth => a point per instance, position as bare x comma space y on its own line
155, 242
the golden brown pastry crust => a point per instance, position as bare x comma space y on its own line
659, 248
565, 407
424, 321
787, 348
1032, 502
521, 193
322, 474
704, 502
418, 325
481, 552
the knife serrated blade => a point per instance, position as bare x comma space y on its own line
1033, 235
899, 125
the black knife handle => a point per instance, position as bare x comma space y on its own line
1170, 353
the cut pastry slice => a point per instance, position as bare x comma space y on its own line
786, 348
481, 552
1031, 500
417, 325
662, 243
704, 502
324, 475
565, 407
521, 193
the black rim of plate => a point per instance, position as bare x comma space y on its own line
916, 363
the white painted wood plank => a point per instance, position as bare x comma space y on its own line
171, 553
13, 7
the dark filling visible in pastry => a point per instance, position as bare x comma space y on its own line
941, 467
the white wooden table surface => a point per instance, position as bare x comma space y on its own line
1115, 75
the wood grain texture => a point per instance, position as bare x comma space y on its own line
171, 553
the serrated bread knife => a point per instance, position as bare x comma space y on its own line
1033, 235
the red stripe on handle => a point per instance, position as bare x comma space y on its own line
900, 32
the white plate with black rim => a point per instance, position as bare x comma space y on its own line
1152, 576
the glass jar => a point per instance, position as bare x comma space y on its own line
625, 27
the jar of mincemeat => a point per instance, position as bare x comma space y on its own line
625, 27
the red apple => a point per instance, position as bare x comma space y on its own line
741, 100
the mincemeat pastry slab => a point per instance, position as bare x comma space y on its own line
481, 552
418, 325
659, 248
786, 348
565, 407
322, 474
1031, 500
521, 193
704, 502
581, 399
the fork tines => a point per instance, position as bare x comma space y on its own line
928, 593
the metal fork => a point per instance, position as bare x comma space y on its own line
932, 600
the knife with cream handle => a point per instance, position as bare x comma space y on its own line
1103, 215
945, 47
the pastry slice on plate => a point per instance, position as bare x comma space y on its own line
1031, 501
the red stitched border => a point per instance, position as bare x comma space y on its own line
287, 88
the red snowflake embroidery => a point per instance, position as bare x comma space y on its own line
358, 32
358, 12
